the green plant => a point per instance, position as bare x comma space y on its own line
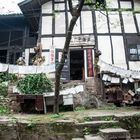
3, 89
88, 119
34, 84
104, 126
5, 77
56, 116
107, 118
3, 109
79, 108
31, 125
4, 102
130, 122
86, 131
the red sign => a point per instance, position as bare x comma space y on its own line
89, 63
52, 52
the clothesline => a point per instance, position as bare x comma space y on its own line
123, 73
16, 69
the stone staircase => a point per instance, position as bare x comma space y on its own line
108, 134
106, 130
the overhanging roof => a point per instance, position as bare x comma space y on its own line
31, 10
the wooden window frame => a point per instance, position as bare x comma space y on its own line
136, 54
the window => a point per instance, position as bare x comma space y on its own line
134, 52
125, 4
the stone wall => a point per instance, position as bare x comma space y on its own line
37, 131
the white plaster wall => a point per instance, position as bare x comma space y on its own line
32, 50
138, 20
101, 22
46, 25
46, 43
59, 42
129, 25
114, 21
125, 4
134, 65
47, 7
59, 6
112, 3
60, 23
27, 51
105, 48
87, 24
47, 58
119, 51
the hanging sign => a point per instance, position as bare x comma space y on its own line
82, 40
90, 63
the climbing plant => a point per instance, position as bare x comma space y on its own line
34, 84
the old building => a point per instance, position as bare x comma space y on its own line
16, 38
114, 30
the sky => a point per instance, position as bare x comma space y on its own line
9, 6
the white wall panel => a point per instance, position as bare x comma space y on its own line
46, 25
134, 65
114, 21
119, 51
60, 23
138, 20
46, 43
101, 22
77, 26
27, 52
47, 58
87, 24
59, 6
105, 47
47, 7
59, 42
129, 25
125, 4
112, 3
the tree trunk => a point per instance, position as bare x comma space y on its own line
75, 12
62, 62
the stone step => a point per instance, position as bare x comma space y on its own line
77, 138
97, 123
114, 133
92, 137
100, 118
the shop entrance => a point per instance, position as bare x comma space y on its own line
76, 64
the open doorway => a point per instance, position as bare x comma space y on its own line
3, 56
76, 64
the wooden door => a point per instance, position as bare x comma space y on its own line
65, 75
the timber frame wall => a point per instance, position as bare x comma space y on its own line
121, 37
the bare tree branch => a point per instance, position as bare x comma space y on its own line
70, 6
81, 3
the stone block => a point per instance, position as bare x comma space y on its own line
115, 134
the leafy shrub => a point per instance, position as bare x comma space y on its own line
4, 77
4, 102
3, 89
34, 84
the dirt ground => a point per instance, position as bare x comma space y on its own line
74, 115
